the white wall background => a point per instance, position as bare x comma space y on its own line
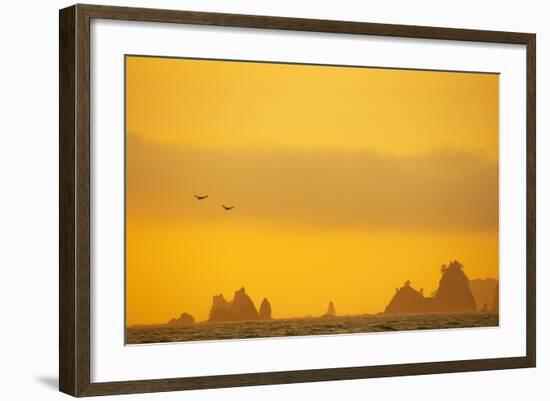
29, 185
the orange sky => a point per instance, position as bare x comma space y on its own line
346, 182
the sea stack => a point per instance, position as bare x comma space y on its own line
265, 310
220, 311
239, 309
483, 291
453, 294
243, 307
408, 300
184, 320
331, 312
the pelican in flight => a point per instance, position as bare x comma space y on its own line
227, 207
200, 197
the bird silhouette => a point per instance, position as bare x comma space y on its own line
200, 197
227, 207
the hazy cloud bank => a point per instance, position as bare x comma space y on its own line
448, 190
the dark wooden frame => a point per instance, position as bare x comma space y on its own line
74, 199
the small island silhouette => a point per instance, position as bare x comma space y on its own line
239, 309
453, 295
457, 302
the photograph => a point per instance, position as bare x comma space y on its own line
255, 197
278, 199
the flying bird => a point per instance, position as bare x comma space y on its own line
201, 197
227, 207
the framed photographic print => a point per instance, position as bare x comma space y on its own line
250, 200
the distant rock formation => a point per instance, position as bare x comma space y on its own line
483, 291
331, 312
408, 300
265, 310
221, 315
243, 307
184, 320
495, 300
452, 295
220, 310
240, 308
218, 301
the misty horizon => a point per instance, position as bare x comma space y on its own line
346, 183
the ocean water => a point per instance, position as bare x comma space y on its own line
306, 327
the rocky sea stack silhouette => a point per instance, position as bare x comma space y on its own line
483, 291
265, 310
183, 320
453, 295
331, 311
409, 300
239, 309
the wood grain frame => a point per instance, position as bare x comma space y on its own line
74, 199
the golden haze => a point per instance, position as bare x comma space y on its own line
346, 182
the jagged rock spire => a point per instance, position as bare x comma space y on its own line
265, 310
